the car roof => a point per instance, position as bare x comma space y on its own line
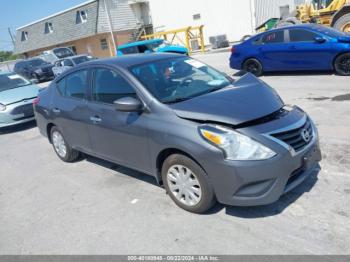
301, 26
132, 60
144, 42
31, 59
71, 57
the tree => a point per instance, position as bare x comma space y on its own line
7, 55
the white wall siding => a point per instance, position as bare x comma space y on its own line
121, 14
230, 17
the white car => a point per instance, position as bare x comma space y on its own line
64, 64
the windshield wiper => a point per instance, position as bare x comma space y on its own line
177, 100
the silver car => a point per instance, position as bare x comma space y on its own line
16, 99
62, 65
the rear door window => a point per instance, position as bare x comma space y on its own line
273, 37
300, 35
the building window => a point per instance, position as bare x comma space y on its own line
48, 28
104, 44
24, 36
81, 17
196, 16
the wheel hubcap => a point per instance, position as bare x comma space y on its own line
59, 144
252, 67
344, 65
184, 185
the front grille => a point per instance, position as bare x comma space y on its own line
27, 110
295, 137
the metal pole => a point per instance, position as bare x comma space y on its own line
252, 16
110, 27
10, 33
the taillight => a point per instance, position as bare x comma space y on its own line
233, 49
36, 101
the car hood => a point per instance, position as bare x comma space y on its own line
344, 39
248, 99
18, 94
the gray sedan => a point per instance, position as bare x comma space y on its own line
202, 135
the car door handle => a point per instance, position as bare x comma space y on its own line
293, 47
95, 119
56, 110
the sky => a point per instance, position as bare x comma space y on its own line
16, 13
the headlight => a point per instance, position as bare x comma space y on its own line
235, 145
2, 107
39, 71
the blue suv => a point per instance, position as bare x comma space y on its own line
150, 46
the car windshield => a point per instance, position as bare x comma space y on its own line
81, 59
178, 79
330, 31
10, 81
36, 62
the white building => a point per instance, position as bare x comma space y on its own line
235, 18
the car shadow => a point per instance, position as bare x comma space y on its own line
242, 212
122, 169
299, 73
289, 73
274, 208
17, 128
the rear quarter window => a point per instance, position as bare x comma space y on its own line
273, 37
61, 87
129, 50
74, 85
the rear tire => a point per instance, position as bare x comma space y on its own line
64, 151
343, 23
253, 66
342, 64
187, 184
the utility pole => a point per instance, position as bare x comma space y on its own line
110, 28
10, 33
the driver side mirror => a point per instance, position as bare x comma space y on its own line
128, 104
320, 39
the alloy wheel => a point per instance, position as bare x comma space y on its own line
344, 65
59, 144
184, 185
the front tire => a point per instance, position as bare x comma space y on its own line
187, 184
64, 151
253, 66
342, 65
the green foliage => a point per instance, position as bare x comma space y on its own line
7, 55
